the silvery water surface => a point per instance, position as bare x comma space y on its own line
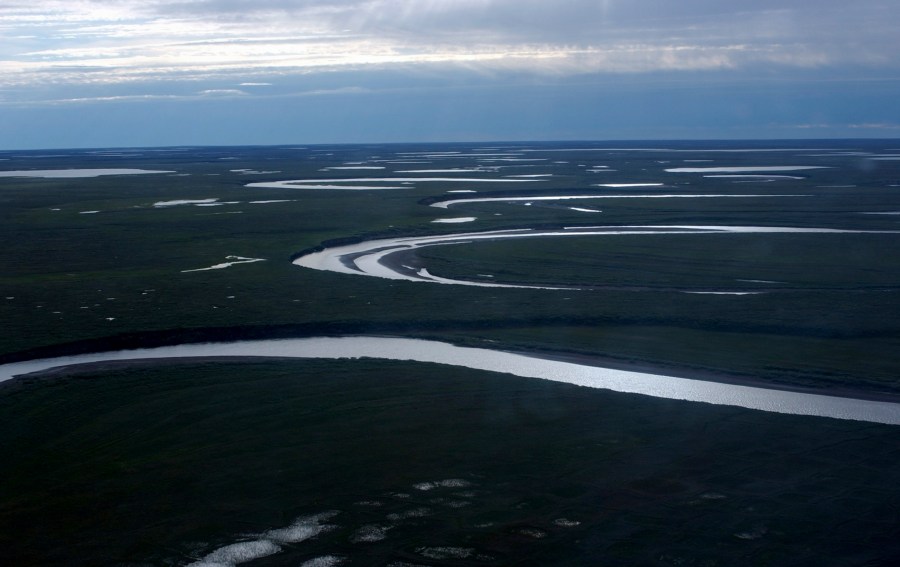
517, 364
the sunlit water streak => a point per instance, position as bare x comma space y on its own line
352, 183
451, 202
526, 366
744, 169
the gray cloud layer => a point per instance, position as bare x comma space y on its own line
863, 21
94, 42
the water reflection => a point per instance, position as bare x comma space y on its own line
526, 366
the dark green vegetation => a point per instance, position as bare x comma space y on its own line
179, 454
115, 275
163, 464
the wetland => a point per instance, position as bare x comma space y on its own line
783, 282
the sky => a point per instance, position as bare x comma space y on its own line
127, 73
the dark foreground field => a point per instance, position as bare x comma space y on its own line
428, 465
165, 464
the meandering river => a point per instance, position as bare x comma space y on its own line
369, 258
526, 366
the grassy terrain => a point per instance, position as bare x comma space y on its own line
163, 464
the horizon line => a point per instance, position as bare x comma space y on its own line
456, 142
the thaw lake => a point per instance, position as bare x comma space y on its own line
75, 173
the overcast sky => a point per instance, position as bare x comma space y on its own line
86, 73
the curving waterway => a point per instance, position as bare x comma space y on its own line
373, 257
526, 366
447, 203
